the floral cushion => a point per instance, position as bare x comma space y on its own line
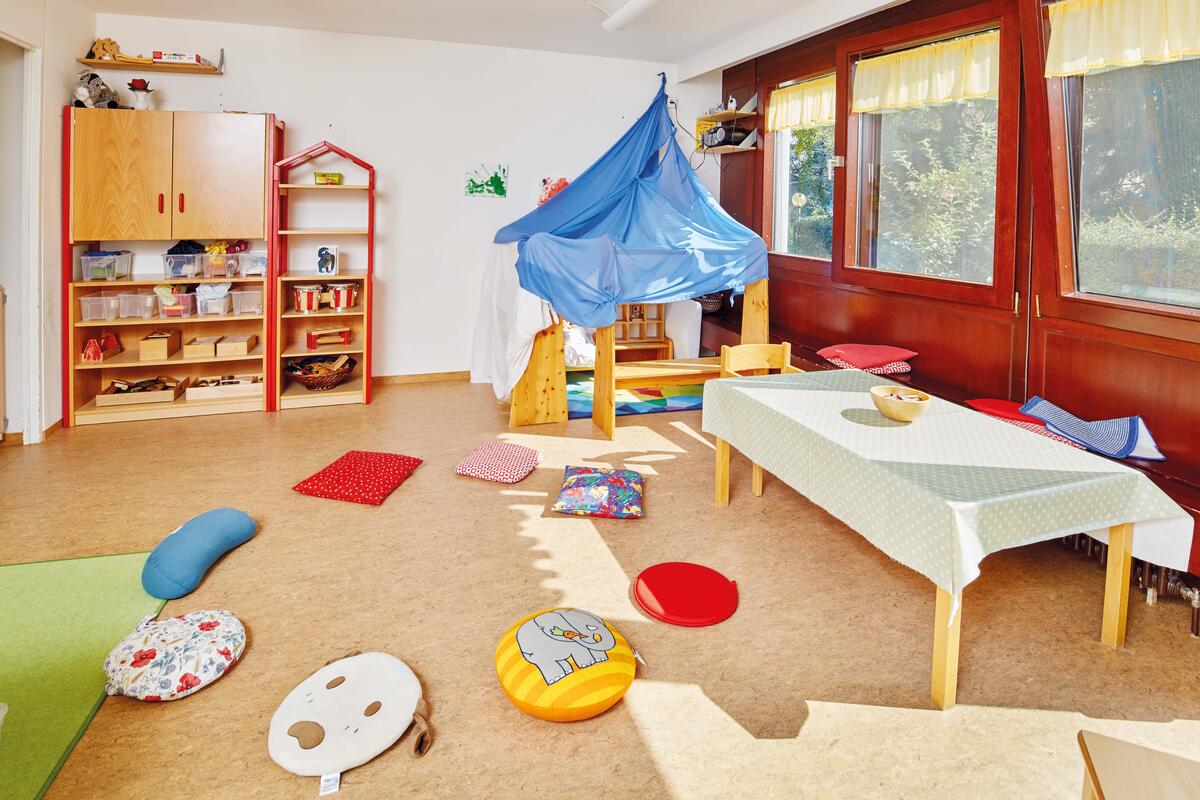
891, 368
171, 658
360, 476
596, 492
503, 462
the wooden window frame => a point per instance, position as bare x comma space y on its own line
789, 261
988, 16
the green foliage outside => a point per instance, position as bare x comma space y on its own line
810, 193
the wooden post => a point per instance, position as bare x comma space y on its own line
604, 382
756, 321
944, 686
722, 472
541, 394
1116, 585
756, 480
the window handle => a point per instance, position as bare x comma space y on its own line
181, 202
162, 202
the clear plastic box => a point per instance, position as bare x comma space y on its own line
252, 263
143, 305
220, 265
184, 265
106, 268
103, 306
247, 301
182, 305
215, 305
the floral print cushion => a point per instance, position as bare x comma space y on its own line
597, 492
172, 658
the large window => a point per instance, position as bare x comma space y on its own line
926, 128
803, 224
1136, 181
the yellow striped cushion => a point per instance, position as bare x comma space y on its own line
583, 692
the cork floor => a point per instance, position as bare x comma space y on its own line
817, 687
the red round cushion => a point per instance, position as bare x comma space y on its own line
1004, 409
685, 594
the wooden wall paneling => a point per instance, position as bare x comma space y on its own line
741, 173
120, 174
226, 202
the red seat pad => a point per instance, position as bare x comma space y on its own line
685, 594
866, 356
1004, 409
360, 477
892, 368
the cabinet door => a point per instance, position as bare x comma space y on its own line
120, 174
220, 176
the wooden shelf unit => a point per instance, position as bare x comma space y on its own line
727, 116
727, 149
130, 66
290, 325
83, 381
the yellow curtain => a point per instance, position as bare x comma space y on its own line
957, 69
1093, 35
808, 104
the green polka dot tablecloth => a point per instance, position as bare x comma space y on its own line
941, 493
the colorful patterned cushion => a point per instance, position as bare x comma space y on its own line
597, 492
892, 368
564, 664
866, 356
503, 462
171, 658
360, 477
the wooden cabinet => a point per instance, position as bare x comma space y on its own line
161, 175
219, 171
120, 174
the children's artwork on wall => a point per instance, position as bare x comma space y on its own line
327, 260
487, 180
551, 187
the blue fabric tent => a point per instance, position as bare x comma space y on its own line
637, 227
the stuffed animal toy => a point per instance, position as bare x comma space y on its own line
92, 92
104, 50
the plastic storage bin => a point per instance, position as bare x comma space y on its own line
106, 267
220, 265
143, 305
103, 306
181, 266
182, 305
253, 263
215, 305
247, 301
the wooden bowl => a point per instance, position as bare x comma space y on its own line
886, 400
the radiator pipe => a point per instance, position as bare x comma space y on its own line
1177, 586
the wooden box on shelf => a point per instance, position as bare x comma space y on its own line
239, 345
331, 334
159, 345
101, 348
112, 397
221, 387
201, 347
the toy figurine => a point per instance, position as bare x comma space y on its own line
92, 92
141, 94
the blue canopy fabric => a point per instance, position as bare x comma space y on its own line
637, 226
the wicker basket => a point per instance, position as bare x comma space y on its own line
711, 303
319, 383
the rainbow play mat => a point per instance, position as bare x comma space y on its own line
632, 401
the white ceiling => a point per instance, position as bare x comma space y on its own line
670, 32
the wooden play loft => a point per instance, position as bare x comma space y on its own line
541, 394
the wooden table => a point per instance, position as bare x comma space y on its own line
969, 485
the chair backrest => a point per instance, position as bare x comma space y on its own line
745, 357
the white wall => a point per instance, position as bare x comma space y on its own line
420, 111
12, 266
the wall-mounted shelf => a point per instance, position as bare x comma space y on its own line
727, 149
158, 66
726, 116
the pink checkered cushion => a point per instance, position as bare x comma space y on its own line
891, 368
1041, 430
502, 462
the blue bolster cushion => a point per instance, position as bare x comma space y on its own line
178, 564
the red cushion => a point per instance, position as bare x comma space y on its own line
893, 368
360, 477
503, 462
685, 594
866, 356
1004, 409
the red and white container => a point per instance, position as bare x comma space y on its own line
306, 297
343, 296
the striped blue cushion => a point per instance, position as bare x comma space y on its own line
1117, 438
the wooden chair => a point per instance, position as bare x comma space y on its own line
738, 362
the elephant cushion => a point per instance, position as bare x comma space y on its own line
173, 658
346, 713
600, 492
564, 665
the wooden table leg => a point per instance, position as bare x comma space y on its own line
722, 472
944, 687
1116, 585
756, 480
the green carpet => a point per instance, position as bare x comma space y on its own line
58, 621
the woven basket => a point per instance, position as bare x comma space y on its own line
711, 303
319, 383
